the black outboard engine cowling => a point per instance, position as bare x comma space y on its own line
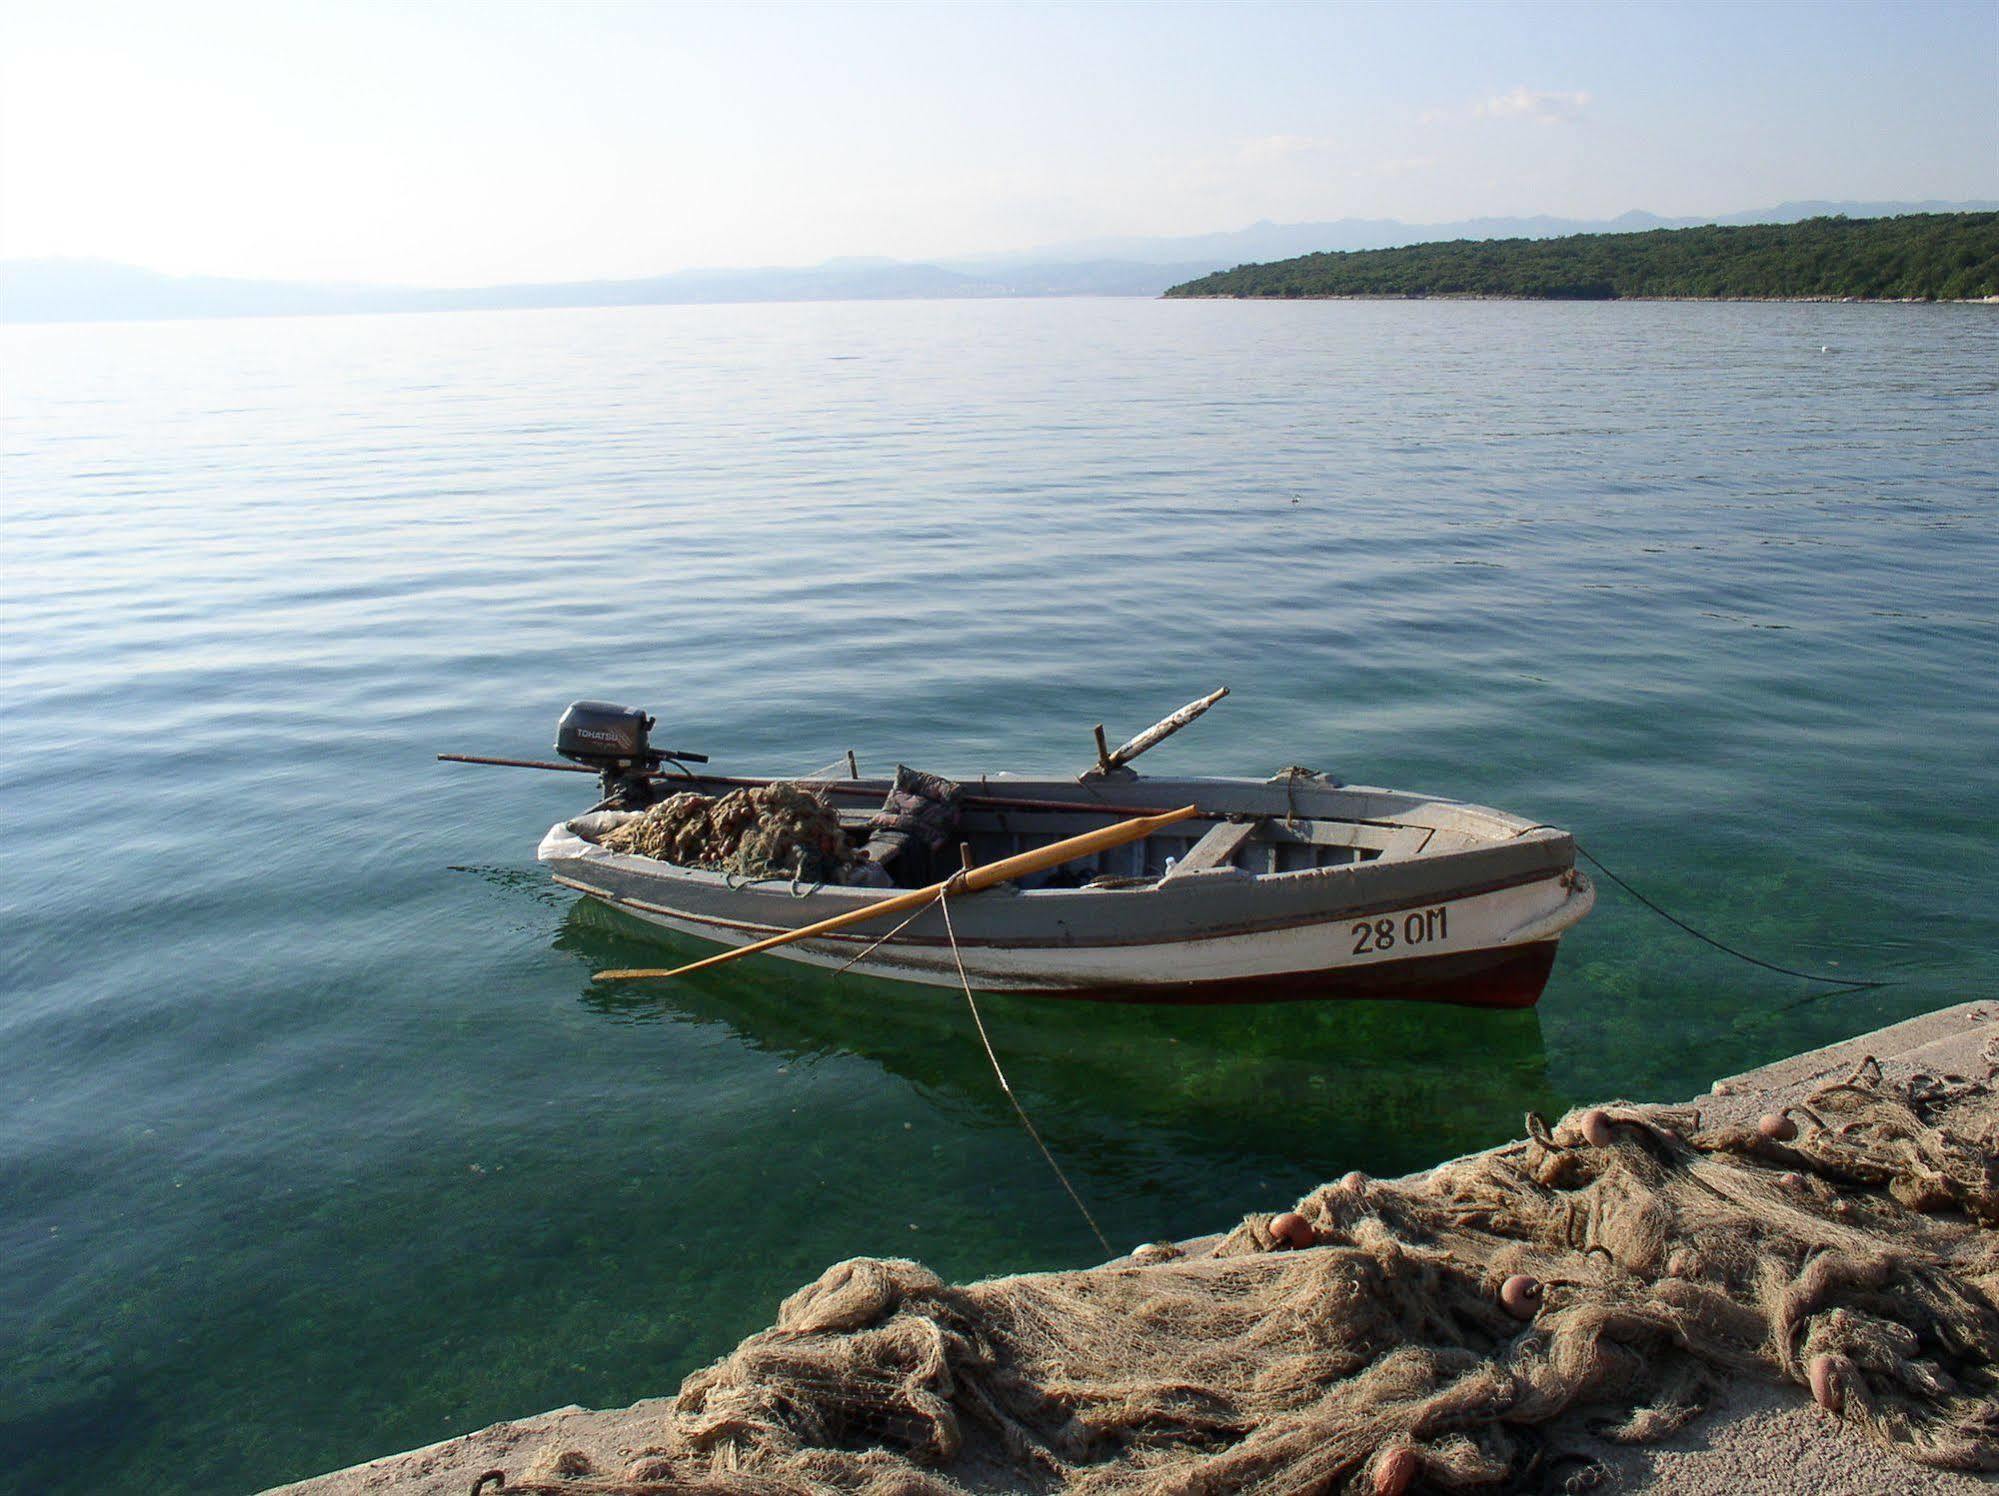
599, 733
614, 741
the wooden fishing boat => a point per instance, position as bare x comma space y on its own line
1293, 887
1296, 886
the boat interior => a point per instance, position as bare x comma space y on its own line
1253, 844
1383, 827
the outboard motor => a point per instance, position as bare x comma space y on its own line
614, 740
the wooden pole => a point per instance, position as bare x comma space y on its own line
1159, 732
514, 763
848, 787
967, 881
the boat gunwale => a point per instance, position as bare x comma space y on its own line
654, 869
972, 939
1505, 830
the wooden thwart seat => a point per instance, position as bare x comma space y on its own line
1406, 842
1217, 849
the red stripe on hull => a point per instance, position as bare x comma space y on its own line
1508, 978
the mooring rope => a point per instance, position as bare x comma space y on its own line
824, 771
1674, 919
872, 948
944, 903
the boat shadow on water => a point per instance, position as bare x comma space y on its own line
1383, 1086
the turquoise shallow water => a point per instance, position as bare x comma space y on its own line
315, 1141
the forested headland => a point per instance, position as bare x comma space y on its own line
1920, 256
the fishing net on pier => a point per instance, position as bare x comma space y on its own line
773, 830
1462, 1331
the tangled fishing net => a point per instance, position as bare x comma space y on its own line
1461, 1331
775, 830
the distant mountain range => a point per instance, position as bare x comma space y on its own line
98, 291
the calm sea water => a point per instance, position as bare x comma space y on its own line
316, 1142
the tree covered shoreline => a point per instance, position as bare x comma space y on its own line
1917, 257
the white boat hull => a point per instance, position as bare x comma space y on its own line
1492, 949
1295, 887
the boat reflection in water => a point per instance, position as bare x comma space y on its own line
1323, 1087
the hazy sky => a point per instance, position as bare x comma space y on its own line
469, 143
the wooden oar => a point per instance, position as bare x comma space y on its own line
864, 788
972, 880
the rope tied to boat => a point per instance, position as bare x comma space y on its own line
944, 904
876, 944
1854, 983
956, 884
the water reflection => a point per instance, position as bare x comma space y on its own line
1398, 1084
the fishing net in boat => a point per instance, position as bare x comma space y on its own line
1465, 1330
773, 830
